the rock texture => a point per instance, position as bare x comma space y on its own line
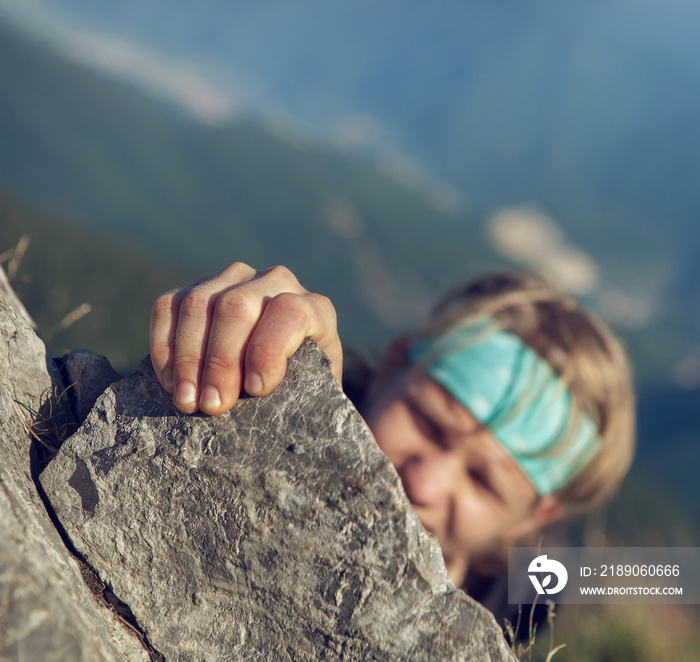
86, 376
276, 532
47, 611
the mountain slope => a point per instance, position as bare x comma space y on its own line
204, 196
587, 110
536, 101
64, 268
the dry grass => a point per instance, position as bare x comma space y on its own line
528, 651
52, 424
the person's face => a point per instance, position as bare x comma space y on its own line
462, 483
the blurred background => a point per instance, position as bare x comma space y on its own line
384, 151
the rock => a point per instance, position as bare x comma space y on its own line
13, 301
24, 365
278, 531
86, 376
47, 612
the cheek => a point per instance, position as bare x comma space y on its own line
392, 432
479, 523
474, 523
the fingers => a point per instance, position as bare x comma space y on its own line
215, 320
287, 320
193, 322
235, 323
164, 316
236, 328
234, 320
180, 322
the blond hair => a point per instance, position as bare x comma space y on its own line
579, 347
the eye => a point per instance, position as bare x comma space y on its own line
426, 424
481, 480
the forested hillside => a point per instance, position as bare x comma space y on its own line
130, 168
63, 268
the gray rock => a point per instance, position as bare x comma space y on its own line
9, 294
86, 376
47, 612
278, 531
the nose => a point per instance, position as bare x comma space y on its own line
431, 480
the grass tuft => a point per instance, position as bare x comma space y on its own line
526, 651
53, 423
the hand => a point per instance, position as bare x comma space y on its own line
233, 330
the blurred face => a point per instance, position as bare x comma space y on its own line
462, 483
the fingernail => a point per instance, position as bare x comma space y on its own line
186, 393
210, 398
168, 379
253, 383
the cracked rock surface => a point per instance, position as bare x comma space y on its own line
278, 531
47, 612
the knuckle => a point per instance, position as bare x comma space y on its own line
260, 355
239, 271
160, 348
186, 364
281, 273
163, 305
236, 305
216, 364
195, 304
292, 306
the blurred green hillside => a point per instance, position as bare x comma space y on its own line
133, 167
64, 268
119, 163
590, 105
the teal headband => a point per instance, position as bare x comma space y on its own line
514, 392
